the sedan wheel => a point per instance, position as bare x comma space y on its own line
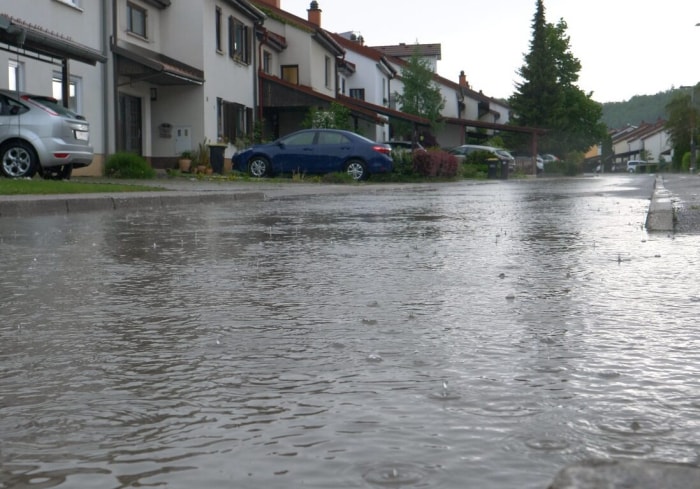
18, 160
356, 169
259, 166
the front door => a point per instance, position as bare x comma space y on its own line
130, 124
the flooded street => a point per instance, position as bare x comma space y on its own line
460, 335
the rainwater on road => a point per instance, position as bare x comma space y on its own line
448, 336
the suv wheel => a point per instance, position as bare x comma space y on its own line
18, 160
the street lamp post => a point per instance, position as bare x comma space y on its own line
693, 149
692, 115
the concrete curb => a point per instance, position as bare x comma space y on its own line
660, 216
24, 206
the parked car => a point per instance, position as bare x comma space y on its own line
316, 151
38, 134
633, 165
461, 152
404, 146
548, 158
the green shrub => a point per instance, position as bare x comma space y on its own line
403, 163
128, 165
471, 170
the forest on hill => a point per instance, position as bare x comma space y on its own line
640, 108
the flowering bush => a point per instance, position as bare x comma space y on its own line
435, 163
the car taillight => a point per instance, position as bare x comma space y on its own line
60, 155
381, 149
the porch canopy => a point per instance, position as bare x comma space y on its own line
140, 64
380, 109
281, 94
32, 41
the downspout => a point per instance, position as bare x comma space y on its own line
115, 77
258, 86
105, 77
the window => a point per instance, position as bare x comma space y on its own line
342, 86
332, 138
290, 73
217, 20
234, 120
267, 62
15, 75
303, 139
74, 90
358, 93
136, 19
238, 40
328, 72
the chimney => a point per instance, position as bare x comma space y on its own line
314, 13
463, 80
273, 3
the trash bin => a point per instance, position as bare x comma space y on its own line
504, 170
216, 157
493, 168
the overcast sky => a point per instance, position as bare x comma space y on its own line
626, 47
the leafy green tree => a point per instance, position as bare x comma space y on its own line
681, 122
421, 95
548, 97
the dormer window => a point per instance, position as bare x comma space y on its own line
136, 19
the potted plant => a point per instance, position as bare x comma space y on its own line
185, 161
200, 158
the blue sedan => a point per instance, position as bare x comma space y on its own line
316, 151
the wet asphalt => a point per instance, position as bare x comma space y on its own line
674, 202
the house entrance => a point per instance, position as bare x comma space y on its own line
130, 124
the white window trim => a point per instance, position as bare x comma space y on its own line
76, 4
18, 67
78, 83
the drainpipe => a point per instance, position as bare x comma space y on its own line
257, 86
115, 78
105, 77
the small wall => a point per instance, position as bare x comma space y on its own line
95, 169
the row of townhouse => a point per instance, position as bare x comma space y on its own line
157, 77
648, 141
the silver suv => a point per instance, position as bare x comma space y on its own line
38, 134
461, 152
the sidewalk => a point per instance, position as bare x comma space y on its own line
684, 194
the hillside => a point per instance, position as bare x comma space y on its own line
647, 108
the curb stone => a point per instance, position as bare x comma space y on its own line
660, 216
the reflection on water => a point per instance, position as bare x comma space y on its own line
484, 332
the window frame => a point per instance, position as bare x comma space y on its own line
354, 92
327, 71
15, 68
238, 40
267, 62
234, 121
290, 73
75, 103
131, 10
218, 32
